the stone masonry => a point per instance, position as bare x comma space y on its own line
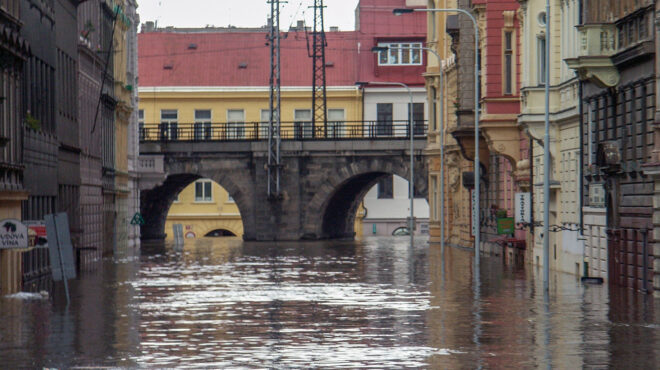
323, 183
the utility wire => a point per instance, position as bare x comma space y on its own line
105, 69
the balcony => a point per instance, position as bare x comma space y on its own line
598, 43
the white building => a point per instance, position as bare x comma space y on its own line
387, 204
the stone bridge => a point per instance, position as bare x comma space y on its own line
322, 182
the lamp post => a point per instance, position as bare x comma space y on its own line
546, 157
477, 176
411, 182
379, 49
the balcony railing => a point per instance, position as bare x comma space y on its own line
300, 131
597, 39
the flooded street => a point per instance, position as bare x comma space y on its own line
373, 303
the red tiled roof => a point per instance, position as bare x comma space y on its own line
165, 59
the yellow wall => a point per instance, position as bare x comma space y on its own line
123, 96
456, 197
220, 100
201, 217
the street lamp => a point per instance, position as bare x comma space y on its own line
546, 157
411, 182
379, 49
477, 176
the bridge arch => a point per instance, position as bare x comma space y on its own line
155, 203
333, 207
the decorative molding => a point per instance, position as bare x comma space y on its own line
509, 16
597, 46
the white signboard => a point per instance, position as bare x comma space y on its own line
523, 208
13, 234
475, 213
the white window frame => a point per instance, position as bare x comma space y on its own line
142, 132
303, 124
398, 51
204, 198
264, 116
202, 127
235, 127
336, 126
540, 63
168, 128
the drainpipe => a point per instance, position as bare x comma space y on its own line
531, 186
580, 159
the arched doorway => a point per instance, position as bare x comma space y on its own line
219, 233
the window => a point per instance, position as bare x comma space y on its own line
383, 119
303, 123
508, 62
336, 120
386, 187
176, 198
235, 123
417, 194
141, 130
435, 202
168, 124
203, 130
633, 30
418, 118
230, 199
541, 60
203, 191
400, 54
264, 124
434, 115
541, 19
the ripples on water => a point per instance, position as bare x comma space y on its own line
376, 303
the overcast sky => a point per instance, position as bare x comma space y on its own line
243, 13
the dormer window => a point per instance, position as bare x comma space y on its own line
400, 54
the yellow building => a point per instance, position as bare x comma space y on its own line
212, 95
444, 91
204, 208
123, 88
194, 114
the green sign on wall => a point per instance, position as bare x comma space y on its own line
505, 226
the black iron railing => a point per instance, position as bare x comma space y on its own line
250, 131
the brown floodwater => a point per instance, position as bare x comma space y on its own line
375, 303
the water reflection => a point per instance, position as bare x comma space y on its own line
376, 303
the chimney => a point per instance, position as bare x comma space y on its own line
148, 26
